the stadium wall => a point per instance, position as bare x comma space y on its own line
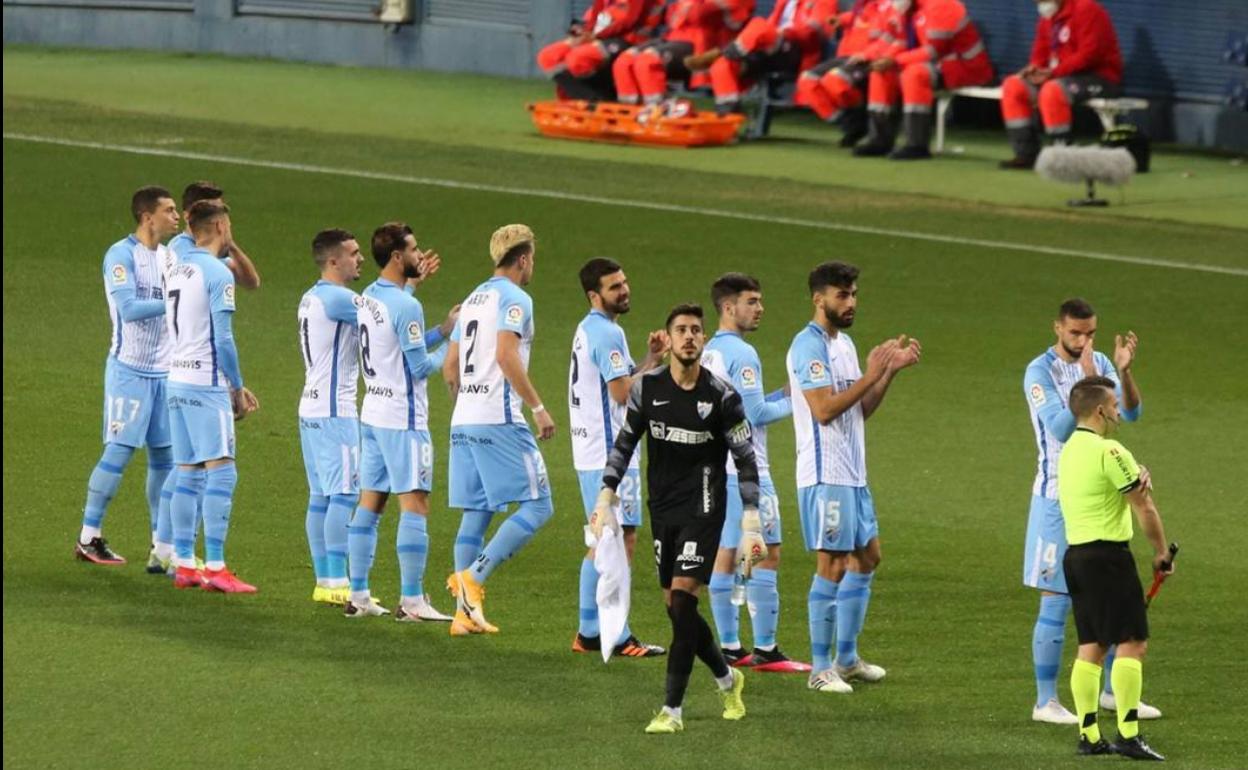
1189, 59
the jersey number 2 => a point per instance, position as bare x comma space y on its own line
470, 333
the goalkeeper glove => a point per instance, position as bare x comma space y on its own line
751, 550
604, 512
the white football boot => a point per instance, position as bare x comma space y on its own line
828, 681
861, 670
1144, 711
1054, 713
419, 610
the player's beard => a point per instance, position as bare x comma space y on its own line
616, 308
411, 270
840, 321
1075, 354
687, 362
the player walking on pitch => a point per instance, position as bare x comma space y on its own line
1046, 384
599, 379
692, 419
739, 300
329, 428
135, 414
838, 515
494, 459
206, 395
1099, 484
396, 452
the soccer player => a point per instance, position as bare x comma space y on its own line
245, 275
693, 419
1099, 483
739, 300
598, 381
1046, 385
206, 394
138, 365
329, 430
396, 452
838, 515
494, 459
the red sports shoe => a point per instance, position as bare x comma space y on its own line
188, 577
226, 582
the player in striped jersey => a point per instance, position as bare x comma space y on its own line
396, 454
838, 516
135, 414
329, 430
739, 300
599, 378
1047, 384
206, 395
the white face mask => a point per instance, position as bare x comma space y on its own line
901, 6
1047, 9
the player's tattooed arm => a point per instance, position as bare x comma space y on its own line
626, 440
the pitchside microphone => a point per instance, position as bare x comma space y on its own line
1088, 165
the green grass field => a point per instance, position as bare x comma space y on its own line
113, 668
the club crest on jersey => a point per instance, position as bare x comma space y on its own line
1037, 394
515, 314
818, 372
228, 296
704, 408
749, 378
413, 332
119, 275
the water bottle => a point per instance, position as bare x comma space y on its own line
738, 589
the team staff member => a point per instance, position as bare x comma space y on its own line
1099, 482
1075, 57
580, 64
693, 419
835, 89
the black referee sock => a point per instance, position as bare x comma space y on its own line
683, 612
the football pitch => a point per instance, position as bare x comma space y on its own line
110, 667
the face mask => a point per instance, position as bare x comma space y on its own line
1046, 9
901, 6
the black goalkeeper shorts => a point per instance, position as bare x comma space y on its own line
685, 547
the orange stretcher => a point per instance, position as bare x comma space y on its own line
609, 122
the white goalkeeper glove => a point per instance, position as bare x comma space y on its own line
751, 550
604, 513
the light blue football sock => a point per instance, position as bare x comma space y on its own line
1046, 645
851, 613
337, 518
412, 545
588, 599
186, 495
103, 483
164, 520
314, 527
727, 616
512, 535
159, 469
471, 537
821, 606
361, 545
764, 601
218, 501
1108, 668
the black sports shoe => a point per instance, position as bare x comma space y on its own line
632, 647
1136, 748
910, 152
1087, 748
98, 552
871, 150
1019, 163
853, 137
737, 657
586, 643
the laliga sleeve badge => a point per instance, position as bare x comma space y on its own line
228, 296
119, 275
818, 372
749, 378
515, 314
1037, 394
414, 333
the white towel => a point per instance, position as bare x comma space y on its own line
614, 588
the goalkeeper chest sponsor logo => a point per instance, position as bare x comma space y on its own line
663, 432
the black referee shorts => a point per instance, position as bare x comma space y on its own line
685, 547
1106, 593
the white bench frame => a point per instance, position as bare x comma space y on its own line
1107, 110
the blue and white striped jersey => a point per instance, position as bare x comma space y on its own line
485, 396
134, 287
394, 358
835, 453
731, 358
197, 288
599, 355
329, 339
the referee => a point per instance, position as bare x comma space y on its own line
1099, 483
693, 419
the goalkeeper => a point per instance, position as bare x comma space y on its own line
693, 419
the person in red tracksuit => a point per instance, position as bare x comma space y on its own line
835, 89
580, 63
790, 40
932, 44
693, 28
1075, 57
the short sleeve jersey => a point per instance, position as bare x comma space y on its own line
195, 288
1047, 385
485, 396
329, 340
599, 355
132, 268
834, 453
731, 358
1094, 474
391, 323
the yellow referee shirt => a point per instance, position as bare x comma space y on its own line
1093, 476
